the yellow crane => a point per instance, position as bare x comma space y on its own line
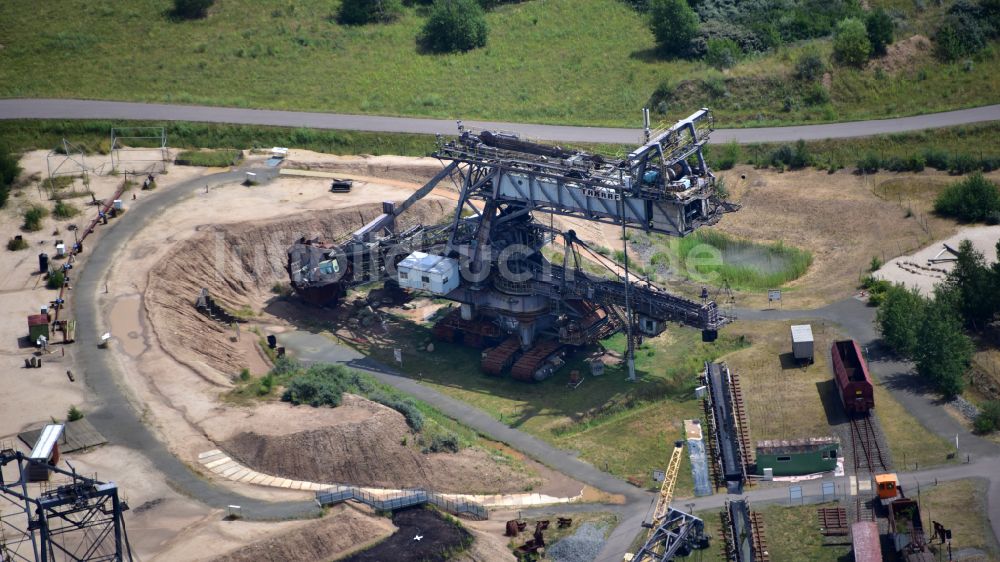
656, 548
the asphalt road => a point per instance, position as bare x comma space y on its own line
92, 109
116, 416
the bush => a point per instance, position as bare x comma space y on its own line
722, 53
674, 24
816, 94
728, 156
357, 12
56, 279
442, 444
16, 244
869, 164
74, 414
960, 164
988, 419
959, 35
972, 199
809, 65
64, 210
937, 159
414, 417
9, 171
454, 26
33, 216
880, 28
192, 9
850, 43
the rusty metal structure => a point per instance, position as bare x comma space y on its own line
525, 308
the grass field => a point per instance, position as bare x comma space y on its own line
792, 533
912, 445
961, 507
625, 428
554, 61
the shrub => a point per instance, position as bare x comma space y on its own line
16, 244
962, 164
56, 279
9, 170
728, 156
443, 443
33, 216
722, 53
414, 417
64, 210
869, 163
453, 26
816, 94
192, 9
880, 28
972, 199
809, 65
74, 414
674, 24
988, 419
945, 351
959, 35
937, 159
850, 42
357, 12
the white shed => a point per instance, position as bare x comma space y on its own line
802, 342
427, 272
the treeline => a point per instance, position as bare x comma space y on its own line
935, 331
9, 171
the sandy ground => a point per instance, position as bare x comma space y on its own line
916, 269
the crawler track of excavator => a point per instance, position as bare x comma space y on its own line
495, 361
533, 359
473, 333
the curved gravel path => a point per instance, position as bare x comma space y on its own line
92, 109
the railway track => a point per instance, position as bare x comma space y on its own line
865, 446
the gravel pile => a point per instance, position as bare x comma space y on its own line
967, 409
582, 546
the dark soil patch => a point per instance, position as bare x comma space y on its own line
440, 540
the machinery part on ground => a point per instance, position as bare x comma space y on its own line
538, 363
743, 530
729, 442
82, 519
496, 360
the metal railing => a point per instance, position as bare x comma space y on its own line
399, 500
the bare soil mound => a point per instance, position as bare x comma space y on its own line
239, 264
372, 448
342, 531
401, 168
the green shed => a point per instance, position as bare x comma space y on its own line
799, 456
38, 325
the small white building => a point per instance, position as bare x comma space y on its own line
802, 343
427, 272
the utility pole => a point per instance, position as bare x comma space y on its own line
630, 350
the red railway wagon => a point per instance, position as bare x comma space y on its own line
866, 541
853, 380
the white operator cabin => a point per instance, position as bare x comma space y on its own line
427, 272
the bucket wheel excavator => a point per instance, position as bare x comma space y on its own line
526, 310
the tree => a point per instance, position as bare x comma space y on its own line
9, 171
880, 28
674, 25
192, 9
850, 42
943, 351
972, 199
899, 317
358, 12
972, 287
964, 30
454, 25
